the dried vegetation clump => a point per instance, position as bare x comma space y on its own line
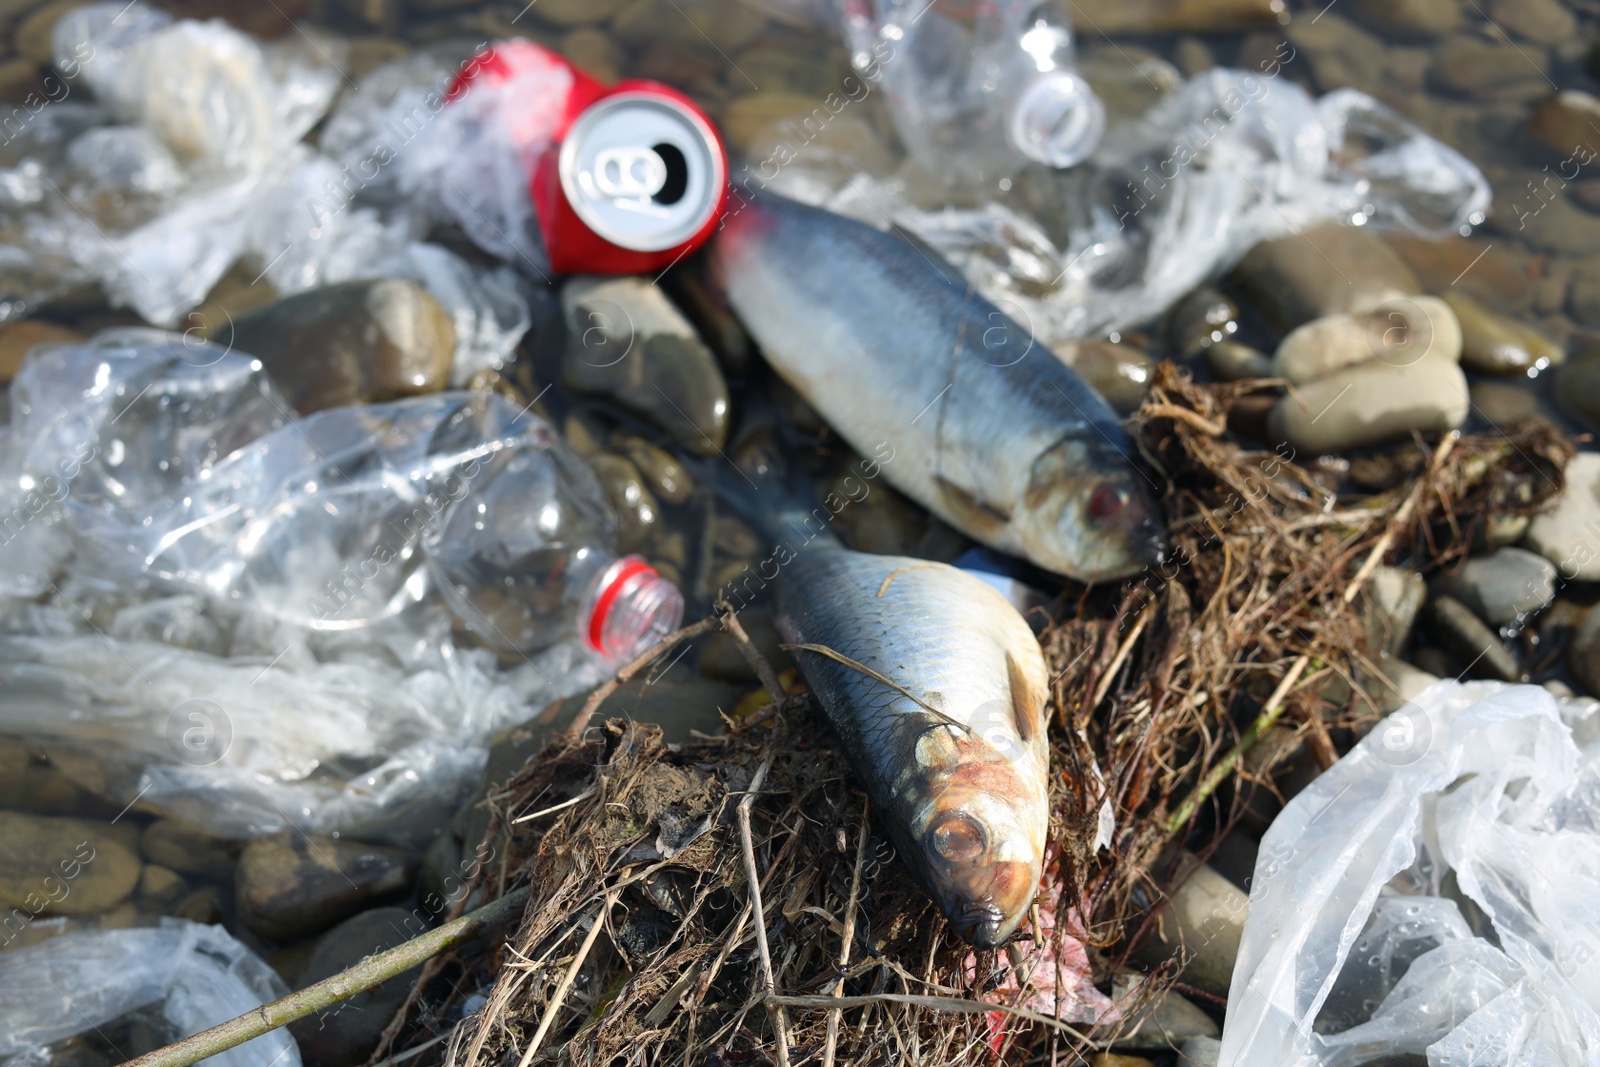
1174, 694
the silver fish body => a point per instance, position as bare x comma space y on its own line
990, 430
953, 753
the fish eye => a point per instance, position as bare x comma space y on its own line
958, 838
1108, 501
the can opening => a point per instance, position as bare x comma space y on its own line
677, 165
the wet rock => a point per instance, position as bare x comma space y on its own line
1488, 271
204, 905
1339, 53
161, 888
1231, 361
1494, 344
809, 66
187, 849
721, 659
345, 1034
1106, 1059
437, 878
291, 885
1578, 386
1371, 403
1394, 598
29, 783
235, 294
1118, 372
1486, 70
1528, 205
1169, 1019
678, 705
1397, 333
351, 343
1180, 16
1200, 1052
1476, 647
691, 23
32, 37
1191, 56
1583, 655
1431, 662
64, 866
1205, 920
1203, 318
594, 52
367, 54
575, 12
1409, 20
1406, 680
707, 308
1586, 194
1540, 21
1566, 123
637, 511
1498, 531
1569, 534
626, 341
1501, 586
1583, 297
664, 475
1324, 271
18, 338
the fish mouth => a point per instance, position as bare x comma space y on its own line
986, 904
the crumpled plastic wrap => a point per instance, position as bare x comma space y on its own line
192, 159
104, 430
218, 638
1230, 159
188, 976
1432, 894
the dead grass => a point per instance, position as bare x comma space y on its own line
641, 943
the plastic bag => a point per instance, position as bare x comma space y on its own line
1231, 159
195, 976
1473, 807
104, 431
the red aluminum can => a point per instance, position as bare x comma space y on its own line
634, 178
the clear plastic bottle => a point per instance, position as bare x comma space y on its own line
977, 88
356, 515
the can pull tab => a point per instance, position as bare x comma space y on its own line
629, 173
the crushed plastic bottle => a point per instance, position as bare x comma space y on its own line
977, 89
1475, 801
1232, 158
103, 431
192, 975
353, 516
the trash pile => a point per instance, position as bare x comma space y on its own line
353, 576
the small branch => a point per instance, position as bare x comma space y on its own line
634, 666
849, 934
779, 1023
560, 995
752, 654
1386, 539
1193, 418
342, 986
1117, 661
1219, 773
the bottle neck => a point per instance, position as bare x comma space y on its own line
630, 609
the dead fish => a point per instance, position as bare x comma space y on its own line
993, 433
937, 690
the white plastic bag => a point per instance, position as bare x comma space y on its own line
1231, 159
1471, 797
198, 975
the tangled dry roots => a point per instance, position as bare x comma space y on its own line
640, 943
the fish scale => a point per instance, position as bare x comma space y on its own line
990, 430
952, 642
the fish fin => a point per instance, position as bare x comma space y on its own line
1027, 703
978, 516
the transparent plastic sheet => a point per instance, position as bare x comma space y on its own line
103, 431
1231, 159
149, 197
165, 183
228, 641
1479, 800
187, 975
